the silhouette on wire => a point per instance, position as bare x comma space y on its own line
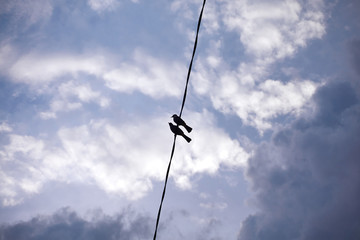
177, 131
181, 122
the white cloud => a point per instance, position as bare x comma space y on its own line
4, 127
270, 99
28, 176
35, 68
211, 17
153, 77
122, 159
256, 103
48, 74
269, 32
210, 149
183, 7
6, 55
70, 96
274, 29
103, 5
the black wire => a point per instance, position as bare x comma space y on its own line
182, 107
192, 58
163, 194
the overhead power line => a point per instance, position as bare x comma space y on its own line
181, 110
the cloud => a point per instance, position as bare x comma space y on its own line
28, 177
99, 6
121, 159
267, 36
4, 127
95, 225
153, 77
149, 75
67, 224
354, 49
257, 103
268, 33
306, 179
26, 13
70, 96
36, 68
212, 149
274, 30
69, 79
105, 5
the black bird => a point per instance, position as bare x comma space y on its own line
181, 122
177, 131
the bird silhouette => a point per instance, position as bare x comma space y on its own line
181, 122
177, 131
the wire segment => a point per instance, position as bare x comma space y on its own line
181, 110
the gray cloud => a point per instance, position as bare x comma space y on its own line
332, 100
354, 48
306, 179
67, 224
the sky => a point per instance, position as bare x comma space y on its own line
87, 89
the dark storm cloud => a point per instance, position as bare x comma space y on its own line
331, 101
66, 224
354, 49
307, 180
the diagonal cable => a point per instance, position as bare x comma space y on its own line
163, 194
192, 58
182, 108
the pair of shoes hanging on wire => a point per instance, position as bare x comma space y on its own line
176, 130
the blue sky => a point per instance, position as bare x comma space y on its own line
87, 89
